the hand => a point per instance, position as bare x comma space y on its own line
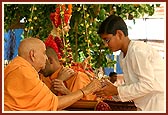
108, 89
93, 86
58, 86
65, 74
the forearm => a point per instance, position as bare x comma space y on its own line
136, 90
71, 98
64, 91
67, 100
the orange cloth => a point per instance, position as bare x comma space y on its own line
79, 67
47, 80
78, 81
23, 90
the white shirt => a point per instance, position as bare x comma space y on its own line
118, 82
144, 75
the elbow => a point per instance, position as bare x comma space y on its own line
149, 87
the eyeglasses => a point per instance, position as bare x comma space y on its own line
107, 40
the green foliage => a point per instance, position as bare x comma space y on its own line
36, 18
84, 23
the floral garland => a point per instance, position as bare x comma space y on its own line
60, 18
61, 12
51, 42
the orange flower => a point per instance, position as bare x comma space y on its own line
69, 8
56, 17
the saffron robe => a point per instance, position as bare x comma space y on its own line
78, 81
23, 90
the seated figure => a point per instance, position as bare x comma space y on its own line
68, 79
55, 44
24, 91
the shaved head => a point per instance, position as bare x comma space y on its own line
34, 51
50, 52
52, 64
28, 44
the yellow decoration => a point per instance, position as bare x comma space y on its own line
30, 20
35, 18
62, 12
35, 8
25, 29
87, 15
78, 9
63, 59
31, 27
81, 24
66, 45
87, 25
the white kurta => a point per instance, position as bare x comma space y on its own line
144, 73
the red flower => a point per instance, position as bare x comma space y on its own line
56, 16
49, 42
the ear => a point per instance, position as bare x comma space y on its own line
120, 33
31, 54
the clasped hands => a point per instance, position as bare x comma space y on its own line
101, 88
108, 89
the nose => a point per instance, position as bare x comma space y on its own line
105, 44
46, 57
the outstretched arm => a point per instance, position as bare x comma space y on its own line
67, 100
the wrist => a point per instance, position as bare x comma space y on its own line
83, 93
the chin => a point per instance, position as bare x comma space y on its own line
112, 50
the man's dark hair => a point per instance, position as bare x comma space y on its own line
111, 74
111, 24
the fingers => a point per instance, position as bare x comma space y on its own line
96, 83
67, 71
56, 80
100, 93
57, 84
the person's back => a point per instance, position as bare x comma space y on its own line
149, 65
149, 56
22, 88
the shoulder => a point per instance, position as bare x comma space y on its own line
139, 47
